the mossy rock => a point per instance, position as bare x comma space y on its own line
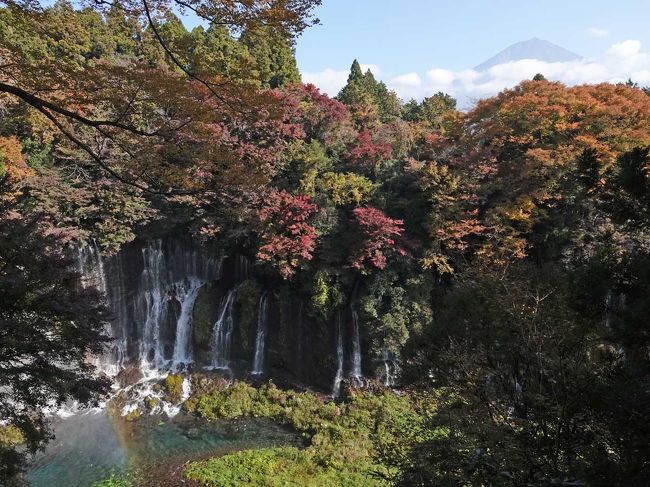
152, 403
174, 388
133, 415
246, 308
204, 315
10, 436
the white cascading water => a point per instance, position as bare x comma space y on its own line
391, 368
90, 265
155, 297
186, 293
222, 332
338, 378
356, 372
171, 278
260, 339
117, 298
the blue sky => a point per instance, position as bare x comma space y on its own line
408, 35
405, 40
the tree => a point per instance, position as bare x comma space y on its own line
125, 116
530, 388
366, 152
49, 326
100, 99
380, 238
363, 89
287, 238
432, 110
274, 62
524, 145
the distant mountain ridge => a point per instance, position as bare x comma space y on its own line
531, 49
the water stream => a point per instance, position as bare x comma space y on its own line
338, 378
222, 332
260, 339
356, 372
91, 446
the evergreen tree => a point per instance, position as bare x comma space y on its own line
431, 110
272, 56
364, 88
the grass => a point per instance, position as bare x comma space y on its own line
347, 441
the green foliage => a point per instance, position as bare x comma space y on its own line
326, 293
274, 62
363, 89
393, 309
432, 110
10, 436
274, 467
174, 388
113, 481
348, 442
48, 324
247, 304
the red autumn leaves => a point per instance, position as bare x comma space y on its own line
380, 238
288, 237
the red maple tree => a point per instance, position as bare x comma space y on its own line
381, 236
287, 238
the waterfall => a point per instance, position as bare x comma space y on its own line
260, 339
151, 292
336, 389
243, 268
356, 346
171, 278
391, 368
222, 332
117, 299
187, 293
152, 284
90, 265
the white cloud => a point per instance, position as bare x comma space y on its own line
372, 67
597, 32
407, 85
620, 62
331, 81
625, 49
408, 79
440, 76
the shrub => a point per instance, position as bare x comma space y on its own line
174, 388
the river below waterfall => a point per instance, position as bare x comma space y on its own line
91, 446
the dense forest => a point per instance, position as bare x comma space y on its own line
498, 259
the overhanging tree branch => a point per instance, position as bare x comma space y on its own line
40, 103
100, 162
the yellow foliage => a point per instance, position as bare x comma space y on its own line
346, 188
13, 167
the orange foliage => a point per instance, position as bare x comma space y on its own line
523, 143
13, 168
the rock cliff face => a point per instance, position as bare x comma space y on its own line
176, 307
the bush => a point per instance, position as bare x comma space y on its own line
272, 467
174, 388
113, 481
349, 442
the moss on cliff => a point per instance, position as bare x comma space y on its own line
203, 317
246, 307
